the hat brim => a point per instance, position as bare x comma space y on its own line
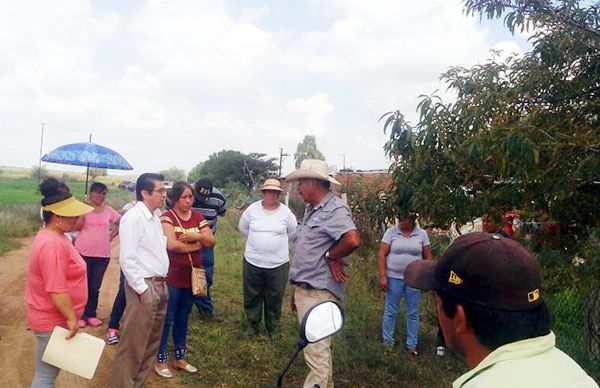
272, 188
420, 274
310, 174
70, 207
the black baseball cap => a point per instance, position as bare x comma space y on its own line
204, 187
482, 268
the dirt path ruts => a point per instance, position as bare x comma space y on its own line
17, 346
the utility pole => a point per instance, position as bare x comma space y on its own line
281, 156
250, 173
40, 160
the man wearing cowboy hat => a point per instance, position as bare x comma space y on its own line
325, 238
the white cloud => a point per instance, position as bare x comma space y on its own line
313, 113
253, 14
196, 43
172, 82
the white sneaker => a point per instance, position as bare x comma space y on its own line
440, 351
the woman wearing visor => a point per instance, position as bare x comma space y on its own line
56, 286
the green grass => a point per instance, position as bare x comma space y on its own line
19, 191
20, 208
225, 358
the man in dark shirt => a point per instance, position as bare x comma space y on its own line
211, 203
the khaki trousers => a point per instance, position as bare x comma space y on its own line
318, 355
142, 330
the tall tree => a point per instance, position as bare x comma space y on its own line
195, 172
234, 166
307, 149
523, 133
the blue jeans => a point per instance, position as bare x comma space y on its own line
178, 310
397, 289
118, 305
204, 303
45, 374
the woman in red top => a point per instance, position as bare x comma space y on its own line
187, 232
56, 287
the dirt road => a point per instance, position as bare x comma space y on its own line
17, 346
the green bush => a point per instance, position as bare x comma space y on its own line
237, 195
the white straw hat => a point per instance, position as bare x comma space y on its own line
314, 169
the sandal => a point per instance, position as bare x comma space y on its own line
163, 371
188, 367
412, 351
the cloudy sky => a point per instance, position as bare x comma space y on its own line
167, 83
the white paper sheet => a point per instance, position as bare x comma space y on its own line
79, 355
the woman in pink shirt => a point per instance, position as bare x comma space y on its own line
56, 289
93, 243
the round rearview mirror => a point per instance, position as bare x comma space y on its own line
321, 321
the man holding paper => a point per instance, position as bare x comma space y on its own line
144, 262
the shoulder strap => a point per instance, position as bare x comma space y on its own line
181, 226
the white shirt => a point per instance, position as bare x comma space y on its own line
143, 250
268, 233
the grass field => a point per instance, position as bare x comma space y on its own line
20, 207
225, 358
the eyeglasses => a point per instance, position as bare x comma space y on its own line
186, 197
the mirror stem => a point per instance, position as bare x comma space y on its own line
299, 346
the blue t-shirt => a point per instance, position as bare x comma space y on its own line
403, 250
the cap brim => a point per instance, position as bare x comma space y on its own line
271, 188
72, 208
420, 274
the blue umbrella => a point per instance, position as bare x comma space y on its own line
89, 155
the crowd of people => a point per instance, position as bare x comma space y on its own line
487, 287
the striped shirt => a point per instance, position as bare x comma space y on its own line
211, 207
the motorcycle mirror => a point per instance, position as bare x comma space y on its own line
320, 321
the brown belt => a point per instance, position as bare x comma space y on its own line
306, 286
156, 279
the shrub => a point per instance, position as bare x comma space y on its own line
237, 195
39, 172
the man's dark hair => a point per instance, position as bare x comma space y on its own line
203, 184
496, 327
323, 184
98, 187
177, 191
146, 182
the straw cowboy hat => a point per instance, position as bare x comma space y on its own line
271, 184
312, 169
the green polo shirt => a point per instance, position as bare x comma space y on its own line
531, 363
